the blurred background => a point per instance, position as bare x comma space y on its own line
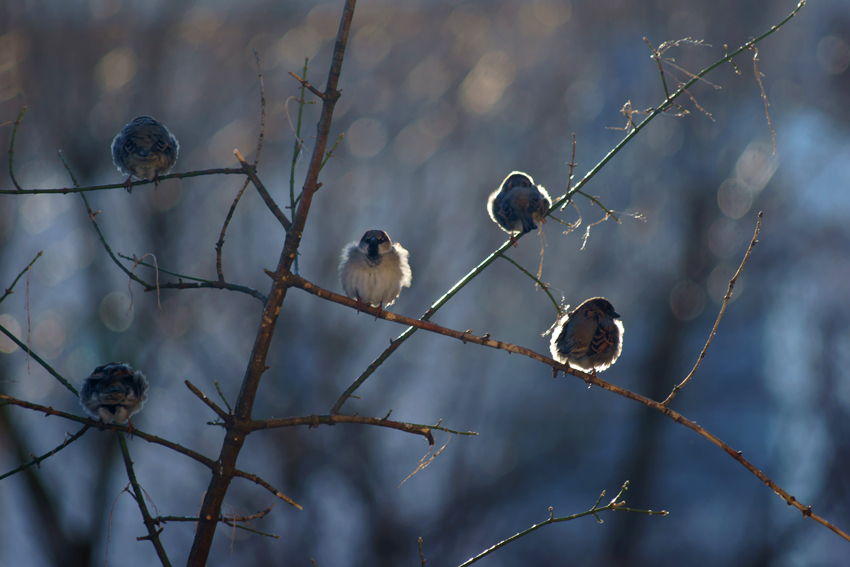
440, 101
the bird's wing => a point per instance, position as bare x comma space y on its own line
604, 337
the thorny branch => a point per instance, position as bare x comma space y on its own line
206, 461
153, 533
614, 505
235, 436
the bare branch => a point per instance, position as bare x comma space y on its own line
726, 299
153, 532
261, 189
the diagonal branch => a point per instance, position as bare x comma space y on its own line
726, 299
615, 504
206, 461
11, 287
590, 379
261, 189
558, 203
39, 360
38, 460
150, 524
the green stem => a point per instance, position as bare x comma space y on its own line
542, 285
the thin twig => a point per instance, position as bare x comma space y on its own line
614, 505
210, 404
12, 151
543, 286
726, 299
310, 87
763, 96
316, 420
220, 244
261, 189
257, 480
223, 399
49, 454
39, 360
25, 270
153, 532
29, 324
206, 461
229, 520
203, 284
66, 190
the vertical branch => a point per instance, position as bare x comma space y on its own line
238, 429
153, 533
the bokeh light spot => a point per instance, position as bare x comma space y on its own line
486, 83
115, 312
116, 69
687, 300
10, 324
366, 137
833, 54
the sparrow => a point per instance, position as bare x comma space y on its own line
518, 204
374, 270
114, 392
144, 148
590, 337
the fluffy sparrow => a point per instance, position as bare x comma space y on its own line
114, 392
375, 270
144, 148
518, 204
590, 337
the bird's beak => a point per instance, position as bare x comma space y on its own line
615, 315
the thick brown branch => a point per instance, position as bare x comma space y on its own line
234, 439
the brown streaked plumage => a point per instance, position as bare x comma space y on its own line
590, 337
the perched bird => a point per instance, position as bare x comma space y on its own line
375, 270
590, 337
144, 148
114, 392
518, 204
